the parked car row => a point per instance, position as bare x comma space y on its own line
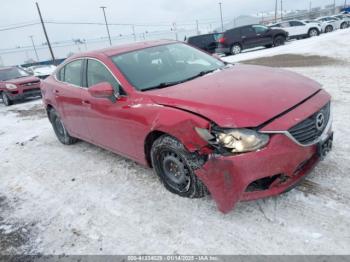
234, 41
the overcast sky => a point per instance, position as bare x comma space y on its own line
149, 12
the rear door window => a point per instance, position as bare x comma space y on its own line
247, 31
296, 23
72, 73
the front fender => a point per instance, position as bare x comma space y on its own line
180, 124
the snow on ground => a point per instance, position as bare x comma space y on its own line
81, 199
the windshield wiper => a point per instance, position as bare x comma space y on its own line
167, 84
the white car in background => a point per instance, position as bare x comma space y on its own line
329, 23
299, 29
41, 71
345, 20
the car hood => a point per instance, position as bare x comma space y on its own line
242, 96
44, 71
23, 80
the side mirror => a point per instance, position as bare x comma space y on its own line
103, 90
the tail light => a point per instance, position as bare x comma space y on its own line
222, 40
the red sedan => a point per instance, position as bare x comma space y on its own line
237, 132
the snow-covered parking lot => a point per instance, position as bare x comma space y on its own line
81, 199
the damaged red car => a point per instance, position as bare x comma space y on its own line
236, 132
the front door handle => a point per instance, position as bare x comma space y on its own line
85, 103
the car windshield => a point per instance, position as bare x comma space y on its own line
12, 73
165, 65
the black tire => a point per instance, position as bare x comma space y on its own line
269, 46
62, 134
5, 99
236, 49
313, 32
329, 29
175, 167
344, 25
279, 40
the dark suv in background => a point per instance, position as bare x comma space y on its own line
207, 42
237, 39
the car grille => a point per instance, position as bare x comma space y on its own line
31, 83
31, 90
310, 129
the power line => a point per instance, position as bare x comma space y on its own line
17, 27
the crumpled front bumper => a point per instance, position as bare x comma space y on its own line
228, 178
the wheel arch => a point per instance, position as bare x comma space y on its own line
311, 28
48, 108
179, 124
279, 35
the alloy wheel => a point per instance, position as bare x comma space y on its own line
236, 49
5, 99
313, 33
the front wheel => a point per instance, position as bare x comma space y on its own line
329, 29
175, 167
5, 99
279, 40
62, 134
344, 25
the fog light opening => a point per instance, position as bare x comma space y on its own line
266, 183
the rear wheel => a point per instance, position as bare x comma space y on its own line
268, 46
175, 167
313, 32
279, 40
62, 134
5, 99
329, 29
236, 49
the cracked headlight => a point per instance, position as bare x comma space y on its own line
11, 86
235, 140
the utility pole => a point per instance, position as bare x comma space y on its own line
310, 8
345, 4
104, 14
334, 7
222, 20
133, 32
175, 30
45, 33
276, 4
281, 10
36, 53
197, 24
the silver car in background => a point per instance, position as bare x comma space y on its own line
345, 20
329, 23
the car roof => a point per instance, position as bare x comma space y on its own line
125, 48
203, 35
